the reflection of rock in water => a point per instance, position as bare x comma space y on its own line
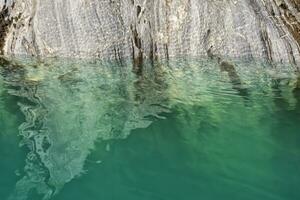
286, 92
33, 131
234, 78
67, 108
232, 73
150, 89
296, 93
296, 90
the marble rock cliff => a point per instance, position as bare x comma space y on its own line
151, 29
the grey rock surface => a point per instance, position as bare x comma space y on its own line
152, 29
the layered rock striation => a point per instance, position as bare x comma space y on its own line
152, 29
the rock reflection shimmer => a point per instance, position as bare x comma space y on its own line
71, 104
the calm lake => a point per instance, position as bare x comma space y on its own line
176, 130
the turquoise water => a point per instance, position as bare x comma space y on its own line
177, 130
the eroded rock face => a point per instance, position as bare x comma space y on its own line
152, 28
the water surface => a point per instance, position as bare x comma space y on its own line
183, 129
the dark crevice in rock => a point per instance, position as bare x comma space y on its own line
137, 50
167, 51
206, 43
267, 44
153, 49
138, 10
290, 54
118, 56
5, 22
168, 21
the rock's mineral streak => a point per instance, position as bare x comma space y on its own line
153, 29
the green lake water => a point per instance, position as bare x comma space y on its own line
177, 130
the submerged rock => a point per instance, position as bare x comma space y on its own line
152, 29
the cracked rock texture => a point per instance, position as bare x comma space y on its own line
152, 29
